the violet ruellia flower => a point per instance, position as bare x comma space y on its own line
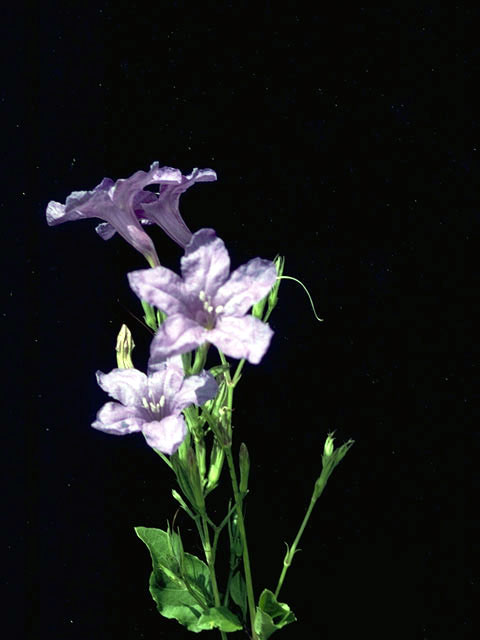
152, 403
124, 205
208, 304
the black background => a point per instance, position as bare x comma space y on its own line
346, 141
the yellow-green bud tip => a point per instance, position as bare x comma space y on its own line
328, 448
124, 348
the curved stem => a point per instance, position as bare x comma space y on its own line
291, 551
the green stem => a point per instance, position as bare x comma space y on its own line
238, 497
210, 556
243, 534
291, 551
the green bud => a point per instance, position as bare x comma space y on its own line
244, 461
124, 348
194, 477
258, 307
217, 457
328, 448
236, 546
149, 317
279, 262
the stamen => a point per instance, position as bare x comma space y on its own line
201, 295
162, 401
219, 309
153, 406
145, 403
209, 308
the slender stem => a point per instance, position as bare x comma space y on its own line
243, 534
291, 552
210, 556
238, 497
238, 371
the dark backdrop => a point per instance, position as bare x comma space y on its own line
345, 141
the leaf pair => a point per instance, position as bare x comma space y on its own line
181, 587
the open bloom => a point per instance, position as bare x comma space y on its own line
152, 403
207, 304
124, 206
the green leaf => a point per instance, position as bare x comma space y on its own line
181, 590
219, 618
271, 615
238, 591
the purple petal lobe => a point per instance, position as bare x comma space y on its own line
166, 382
118, 420
247, 285
195, 390
159, 287
105, 230
167, 434
128, 386
206, 263
244, 337
178, 334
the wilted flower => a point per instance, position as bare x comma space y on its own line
207, 304
152, 403
124, 205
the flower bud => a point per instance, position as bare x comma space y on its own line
279, 262
124, 348
328, 448
194, 478
217, 457
244, 461
258, 307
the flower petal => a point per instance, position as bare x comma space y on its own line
125, 189
206, 263
195, 390
247, 285
98, 203
178, 334
118, 420
166, 382
167, 434
245, 337
159, 287
128, 386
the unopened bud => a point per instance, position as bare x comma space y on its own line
258, 307
124, 348
194, 477
328, 448
279, 262
217, 456
244, 461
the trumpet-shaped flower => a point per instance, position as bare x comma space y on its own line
152, 403
124, 206
207, 304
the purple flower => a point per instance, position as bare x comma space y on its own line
125, 206
152, 403
164, 209
207, 304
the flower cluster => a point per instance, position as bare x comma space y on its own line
205, 305
125, 206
